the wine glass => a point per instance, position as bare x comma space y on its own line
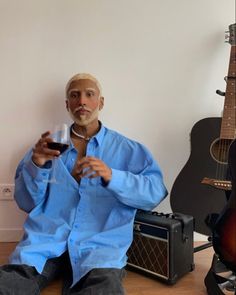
61, 141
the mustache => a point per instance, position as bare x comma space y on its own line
81, 108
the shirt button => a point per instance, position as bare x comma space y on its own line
71, 240
44, 173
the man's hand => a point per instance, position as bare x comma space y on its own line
41, 153
91, 167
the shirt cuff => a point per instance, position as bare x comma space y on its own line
38, 173
117, 181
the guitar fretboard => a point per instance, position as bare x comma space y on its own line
228, 125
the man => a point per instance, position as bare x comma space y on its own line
82, 225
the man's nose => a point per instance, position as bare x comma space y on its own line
82, 99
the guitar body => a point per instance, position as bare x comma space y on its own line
224, 233
188, 194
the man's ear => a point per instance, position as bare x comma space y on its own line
67, 106
101, 103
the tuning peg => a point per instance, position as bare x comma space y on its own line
219, 92
227, 38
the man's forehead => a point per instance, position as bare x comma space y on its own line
83, 84
88, 78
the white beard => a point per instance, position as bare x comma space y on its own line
84, 120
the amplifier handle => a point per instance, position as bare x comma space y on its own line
184, 222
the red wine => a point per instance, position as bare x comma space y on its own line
58, 146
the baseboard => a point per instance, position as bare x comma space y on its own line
10, 234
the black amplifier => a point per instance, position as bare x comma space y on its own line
162, 246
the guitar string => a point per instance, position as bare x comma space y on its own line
227, 141
224, 144
224, 148
219, 165
222, 156
227, 103
222, 159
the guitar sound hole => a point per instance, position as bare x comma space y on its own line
220, 149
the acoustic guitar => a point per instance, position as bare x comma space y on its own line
201, 186
224, 232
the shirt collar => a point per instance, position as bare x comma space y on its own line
98, 137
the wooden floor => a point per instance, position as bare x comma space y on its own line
136, 284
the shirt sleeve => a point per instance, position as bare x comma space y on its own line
143, 189
30, 184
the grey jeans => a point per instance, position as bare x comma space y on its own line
25, 280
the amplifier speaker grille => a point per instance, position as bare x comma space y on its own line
150, 254
162, 246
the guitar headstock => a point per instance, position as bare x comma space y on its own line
231, 38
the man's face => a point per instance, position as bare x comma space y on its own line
84, 101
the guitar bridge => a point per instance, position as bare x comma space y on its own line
219, 184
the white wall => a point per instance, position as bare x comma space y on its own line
159, 61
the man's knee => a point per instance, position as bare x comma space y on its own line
104, 281
18, 280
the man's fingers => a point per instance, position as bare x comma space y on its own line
42, 142
46, 152
41, 152
92, 167
90, 171
45, 134
86, 173
85, 168
94, 175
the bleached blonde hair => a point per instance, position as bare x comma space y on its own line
81, 76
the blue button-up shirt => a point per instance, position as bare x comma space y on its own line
93, 221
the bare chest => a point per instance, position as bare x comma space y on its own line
81, 146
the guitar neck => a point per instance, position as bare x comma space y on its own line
228, 125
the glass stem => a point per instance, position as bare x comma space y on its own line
53, 173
